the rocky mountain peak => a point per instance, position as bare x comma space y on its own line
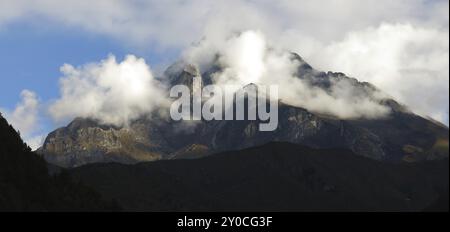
192, 70
402, 136
181, 73
303, 65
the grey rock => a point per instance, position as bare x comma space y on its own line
403, 136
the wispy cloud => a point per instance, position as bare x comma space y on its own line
25, 118
248, 58
410, 63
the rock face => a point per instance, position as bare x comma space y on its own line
402, 136
85, 141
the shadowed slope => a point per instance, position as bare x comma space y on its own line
25, 184
273, 177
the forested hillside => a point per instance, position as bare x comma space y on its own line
25, 184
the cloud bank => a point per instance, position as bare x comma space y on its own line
409, 63
248, 58
185, 22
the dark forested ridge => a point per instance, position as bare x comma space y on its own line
25, 184
273, 177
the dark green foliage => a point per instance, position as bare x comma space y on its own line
25, 184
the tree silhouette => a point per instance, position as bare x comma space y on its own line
25, 184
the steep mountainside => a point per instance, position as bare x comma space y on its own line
273, 177
25, 184
85, 141
402, 136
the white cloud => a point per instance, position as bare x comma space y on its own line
114, 93
179, 23
402, 39
409, 63
25, 118
247, 58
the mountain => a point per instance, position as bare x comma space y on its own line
274, 177
86, 141
25, 184
402, 136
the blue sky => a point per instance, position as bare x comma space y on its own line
400, 46
31, 56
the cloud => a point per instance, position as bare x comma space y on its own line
120, 92
25, 118
141, 22
111, 92
402, 39
409, 63
248, 58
